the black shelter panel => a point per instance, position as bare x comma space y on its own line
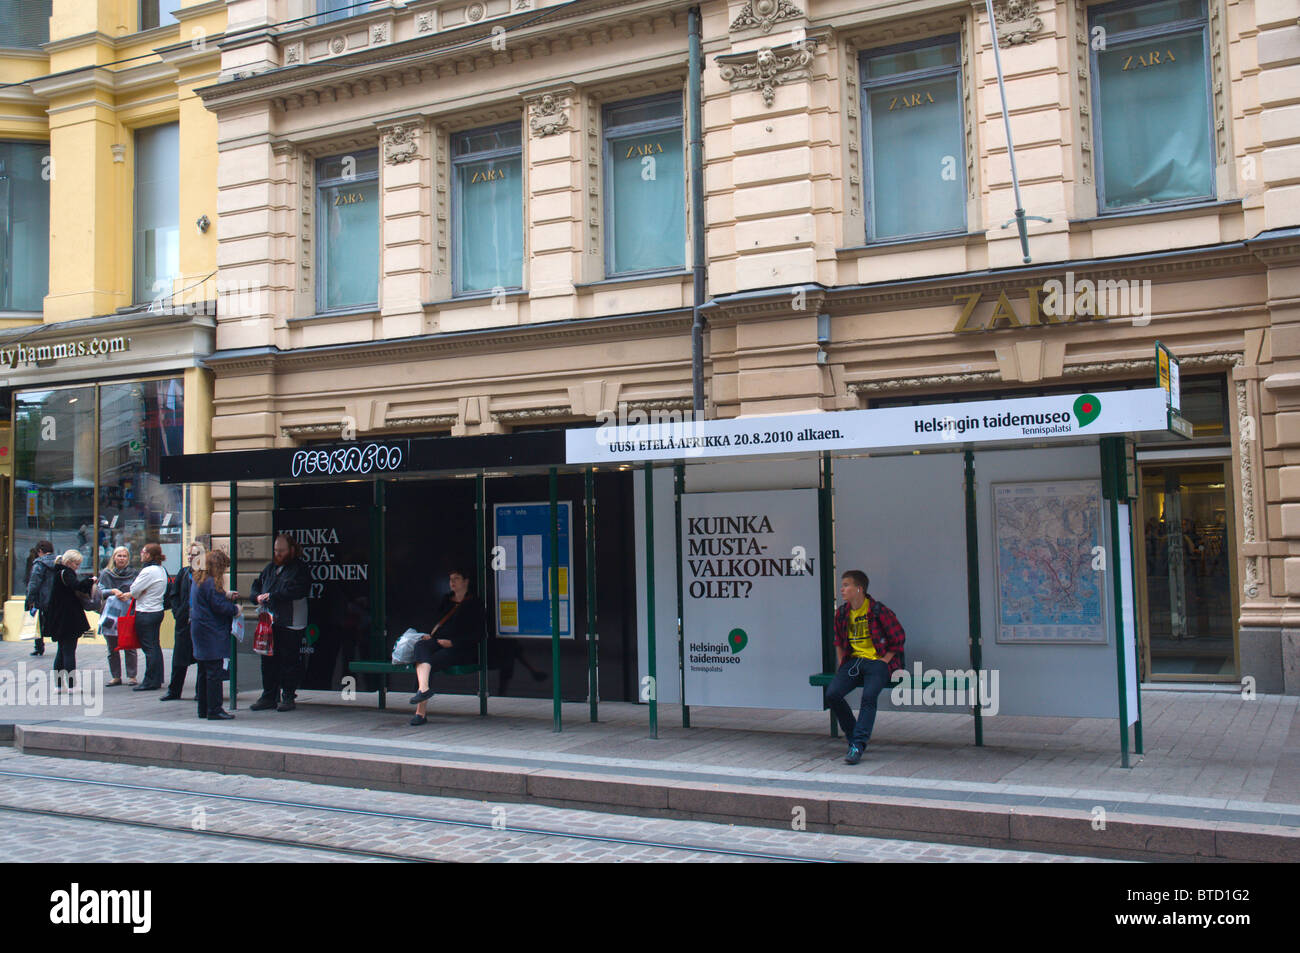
335, 543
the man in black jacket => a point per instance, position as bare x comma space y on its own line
178, 600
282, 590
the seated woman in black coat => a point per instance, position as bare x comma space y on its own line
66, 618
453, 640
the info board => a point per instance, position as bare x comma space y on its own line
1050, 562
751, 617
522, 560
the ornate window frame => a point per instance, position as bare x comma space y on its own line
853, 44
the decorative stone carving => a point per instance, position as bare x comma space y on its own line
424, 23
768, 68
531, 413
292, 54
764, 14
1017, 21
401, 144
434, 421
523, 4
379, 33
475, 12
337, 45
548, 114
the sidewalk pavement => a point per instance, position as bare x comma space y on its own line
1220, 777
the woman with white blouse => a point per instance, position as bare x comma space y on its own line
148, 589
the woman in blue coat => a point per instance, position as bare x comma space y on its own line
211, 611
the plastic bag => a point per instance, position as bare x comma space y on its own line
237, 628
404, 650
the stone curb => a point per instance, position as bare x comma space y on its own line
1125, 836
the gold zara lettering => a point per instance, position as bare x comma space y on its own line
1087, 305
645, 149
1143, 60
907, 101
490, 175
349, 198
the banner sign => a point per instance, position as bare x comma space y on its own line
1028, 418
523, 566
751, 617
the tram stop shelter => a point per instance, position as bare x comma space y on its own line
999, 532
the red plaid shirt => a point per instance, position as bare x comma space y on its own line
886, 634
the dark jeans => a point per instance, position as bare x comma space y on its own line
65, 658
182, 659
282, 672
207, 686
873, 676
147, 626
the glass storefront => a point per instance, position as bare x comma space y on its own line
88, 456
1187, 533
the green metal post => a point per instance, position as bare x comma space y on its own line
1112, 478
377, 574
973, 593
555, 599
480, 554
826, 553
679, 485
650, 595
593, 681
234, 584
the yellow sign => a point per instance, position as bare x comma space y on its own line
509, 613
1162, 365
564, 581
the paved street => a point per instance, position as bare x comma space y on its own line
415, 834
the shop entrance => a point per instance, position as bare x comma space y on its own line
1187, 575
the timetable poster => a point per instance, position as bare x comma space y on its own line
521, 557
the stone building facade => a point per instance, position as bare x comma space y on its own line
858, 193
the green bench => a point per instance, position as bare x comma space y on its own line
384, 669
824, 679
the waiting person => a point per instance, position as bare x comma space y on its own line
211, 611
148, 589
178, 600
453, 640
66, 618
118, 574
869, 649
281, 589
40, 586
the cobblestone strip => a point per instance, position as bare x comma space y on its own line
419, 839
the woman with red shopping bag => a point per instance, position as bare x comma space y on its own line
148, 589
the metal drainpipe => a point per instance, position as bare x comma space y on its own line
694, 96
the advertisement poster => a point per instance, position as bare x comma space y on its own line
522, 560
752, 611
1049, 560
335, 545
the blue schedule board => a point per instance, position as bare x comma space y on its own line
522, 560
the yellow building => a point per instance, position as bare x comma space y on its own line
108, 290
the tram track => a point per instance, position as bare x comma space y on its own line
435, 821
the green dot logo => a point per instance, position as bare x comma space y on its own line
313, 634
1086, 408
737, 639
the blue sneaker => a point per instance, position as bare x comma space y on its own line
854, 755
